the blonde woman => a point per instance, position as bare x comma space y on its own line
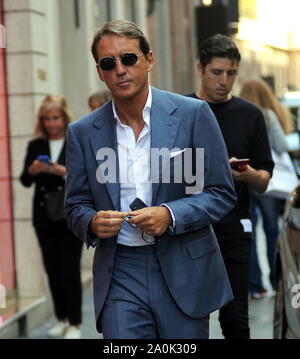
44, 166
278, 123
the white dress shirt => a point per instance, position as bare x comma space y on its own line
134, 170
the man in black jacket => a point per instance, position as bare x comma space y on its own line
244, 131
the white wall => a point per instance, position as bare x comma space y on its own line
27, 58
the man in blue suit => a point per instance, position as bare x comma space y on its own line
158, 271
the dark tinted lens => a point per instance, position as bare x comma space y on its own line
129, 59
107, 64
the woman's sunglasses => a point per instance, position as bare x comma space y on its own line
127, 59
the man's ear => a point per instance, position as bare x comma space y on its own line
200, 68
150, 60
99, 72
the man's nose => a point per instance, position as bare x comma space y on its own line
224, 79
120, 68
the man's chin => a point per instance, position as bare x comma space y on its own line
124, 93
221, 97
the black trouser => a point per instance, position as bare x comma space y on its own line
61, 252
234, 318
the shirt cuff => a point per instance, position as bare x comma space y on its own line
171, 227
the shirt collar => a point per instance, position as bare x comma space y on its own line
146, 110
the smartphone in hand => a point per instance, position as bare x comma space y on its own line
44, 159
240, 165
137, 204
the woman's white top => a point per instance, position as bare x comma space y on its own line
55, 149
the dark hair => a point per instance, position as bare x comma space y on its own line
122, 28
218, 46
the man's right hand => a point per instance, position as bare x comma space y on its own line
106, 224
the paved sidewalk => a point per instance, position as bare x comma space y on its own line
261, 320
261, 316
88, 325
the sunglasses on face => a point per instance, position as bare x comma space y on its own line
109, 63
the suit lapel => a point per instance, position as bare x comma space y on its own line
164, 128
103, 136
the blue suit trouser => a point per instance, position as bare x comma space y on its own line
139, 304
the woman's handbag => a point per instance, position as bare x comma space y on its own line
55, 205
284, 179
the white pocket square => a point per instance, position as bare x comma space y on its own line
176, 153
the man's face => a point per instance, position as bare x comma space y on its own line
123, 81
217, 79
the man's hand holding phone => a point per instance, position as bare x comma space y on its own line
151, 220
241, 170
255, 179
240, 164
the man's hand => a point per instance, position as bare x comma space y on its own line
38, 167
241, 176
152, 220
106, 224
255, 179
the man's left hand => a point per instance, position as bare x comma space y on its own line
152, 220
255, 179
245, 175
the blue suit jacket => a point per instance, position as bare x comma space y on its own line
190, 258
